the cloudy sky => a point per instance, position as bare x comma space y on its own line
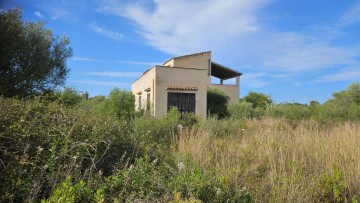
293, 50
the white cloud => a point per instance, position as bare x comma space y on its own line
305, 54
98, 82
141, 63
116, 74
351, 16
256, 80
38, 14
76, 58
188, 26
233, 29
66, 10
106, 32
235, 32
347, 74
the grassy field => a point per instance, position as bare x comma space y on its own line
278, 163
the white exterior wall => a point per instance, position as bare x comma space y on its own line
181, 77
230, 90
196, 61
145, 82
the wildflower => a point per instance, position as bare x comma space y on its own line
155, 160
242, 129
218, 191
45, 167
181, 166
39, 148
243, 190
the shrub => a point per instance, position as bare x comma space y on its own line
68, 192
243, 109
258, 99
68, 97
240, 110
192, 182
217, 102
344, 106
332, 186
151, 132
189, 119
41, 143
292, 112
220, 128
145, 179
120, 104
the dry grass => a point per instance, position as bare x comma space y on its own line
280, 163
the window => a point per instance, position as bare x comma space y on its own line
140, 102
185, 102
148, 102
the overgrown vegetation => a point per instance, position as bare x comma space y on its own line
217, 103
66, 147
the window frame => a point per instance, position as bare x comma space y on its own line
185, 102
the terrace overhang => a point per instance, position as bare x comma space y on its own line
223, 72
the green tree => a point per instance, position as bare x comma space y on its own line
345, 105
121, 104
217, 102
33, 60
258, 99
69, 96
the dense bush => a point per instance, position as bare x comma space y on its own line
345, 106
41, 143
292, 112
68, 97
222, 128
217, 102
120, 104
244, 109
153, 132
258, 100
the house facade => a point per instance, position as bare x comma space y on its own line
183, 82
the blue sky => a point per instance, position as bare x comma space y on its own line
293, 50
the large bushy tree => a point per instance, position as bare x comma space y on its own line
258, 99
120, 104
32, 59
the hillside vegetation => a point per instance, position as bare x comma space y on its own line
65, 147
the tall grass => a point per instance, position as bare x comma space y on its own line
278, 163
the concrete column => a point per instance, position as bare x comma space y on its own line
238, 80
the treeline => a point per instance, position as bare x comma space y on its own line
344, 106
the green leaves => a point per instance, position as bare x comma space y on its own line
32, 60
217, 103
258, 99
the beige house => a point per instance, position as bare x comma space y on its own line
183, 82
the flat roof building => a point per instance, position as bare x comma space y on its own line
183, 82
